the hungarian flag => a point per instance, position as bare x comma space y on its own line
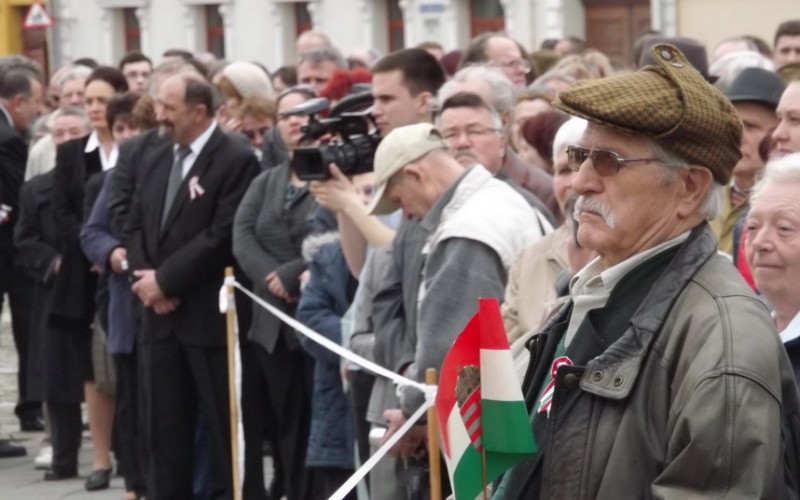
480, 406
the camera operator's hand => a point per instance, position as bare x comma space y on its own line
337, 193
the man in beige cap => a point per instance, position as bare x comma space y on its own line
476, 226
663, 376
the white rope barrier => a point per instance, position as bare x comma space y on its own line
428, 390
333, 346
362, 471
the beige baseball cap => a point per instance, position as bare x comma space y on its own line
400, 147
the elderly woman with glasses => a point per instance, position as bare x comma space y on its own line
271, 223
773, 248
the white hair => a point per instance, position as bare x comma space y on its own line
784, 169
323, 54
671, 163
68, 111
569, 133
500, 87
728, 67
542, 83
77, 73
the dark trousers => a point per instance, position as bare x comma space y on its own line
414, 474
19, 287
65, 433
360, 391
284, 378
179, 381
202, 462
257, 423
324, 481
127, 421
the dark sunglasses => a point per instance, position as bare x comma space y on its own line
605, 163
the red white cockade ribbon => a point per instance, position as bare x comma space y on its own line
547, 395
195, 189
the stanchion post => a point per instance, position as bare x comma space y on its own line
233, 407
434, 459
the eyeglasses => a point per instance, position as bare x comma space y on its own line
472, 133
522, 64
605, 162
256, 132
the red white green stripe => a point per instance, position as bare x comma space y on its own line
505, 427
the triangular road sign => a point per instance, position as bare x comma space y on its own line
37, 17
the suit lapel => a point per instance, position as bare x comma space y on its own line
199, 167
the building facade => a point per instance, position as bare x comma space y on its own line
15, 39
264, 30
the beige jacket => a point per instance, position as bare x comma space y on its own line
724, 224
531, 283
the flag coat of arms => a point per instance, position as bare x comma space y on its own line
485, 425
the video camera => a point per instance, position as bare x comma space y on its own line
350, 121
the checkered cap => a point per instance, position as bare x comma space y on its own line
670, 103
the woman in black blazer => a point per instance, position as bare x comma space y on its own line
271, 223
70, 376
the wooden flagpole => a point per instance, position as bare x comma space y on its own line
232, 406
483, 471
434, 459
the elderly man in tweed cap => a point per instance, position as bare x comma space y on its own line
663, 377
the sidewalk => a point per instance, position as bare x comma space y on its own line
18, 477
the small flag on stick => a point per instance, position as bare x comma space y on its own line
482, 414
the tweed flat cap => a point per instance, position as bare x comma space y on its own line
670, 103
694, 50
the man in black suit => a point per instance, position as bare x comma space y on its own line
20, 98
131, 152
180, 242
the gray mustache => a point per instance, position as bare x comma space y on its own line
585, 204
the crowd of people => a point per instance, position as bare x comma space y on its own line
638, 222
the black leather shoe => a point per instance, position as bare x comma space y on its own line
8, 450
98, 480
58, 473
31, 424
